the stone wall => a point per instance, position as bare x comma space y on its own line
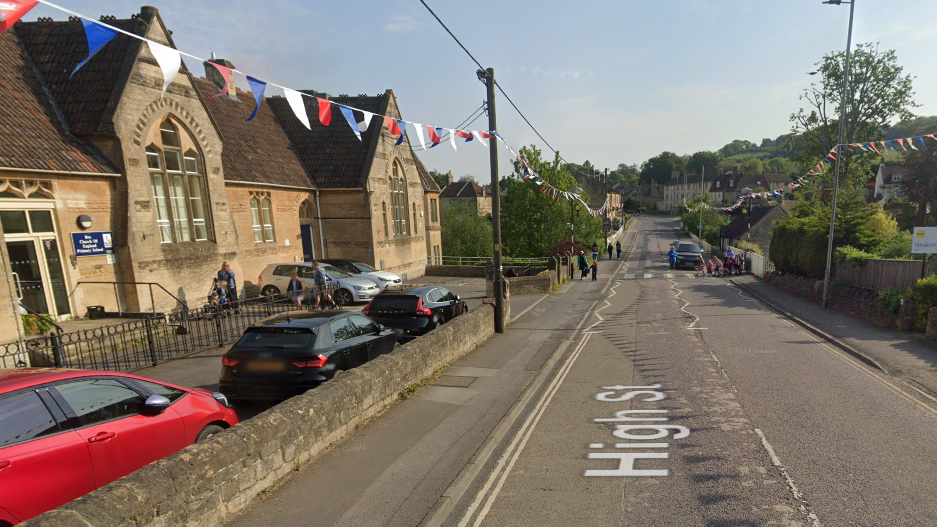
209, 483
532, 285
860, 303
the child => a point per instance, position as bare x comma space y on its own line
595, 268
709, 268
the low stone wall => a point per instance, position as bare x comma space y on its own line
211, 482
532, 285
860, 303
456, 270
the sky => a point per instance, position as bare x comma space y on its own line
609, 81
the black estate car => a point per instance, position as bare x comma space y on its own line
417, 311
286, 355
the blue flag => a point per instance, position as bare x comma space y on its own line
257, 88
97, 36
350, 117
403, 131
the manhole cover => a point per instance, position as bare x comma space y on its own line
455, 381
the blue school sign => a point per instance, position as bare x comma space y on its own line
93, 243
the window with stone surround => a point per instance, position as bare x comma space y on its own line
434, 215
398, 199
262, 217
384, 212
413, 206
178, 184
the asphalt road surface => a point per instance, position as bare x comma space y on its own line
648, 398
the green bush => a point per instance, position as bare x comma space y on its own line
748, 246
891, 298
898, 248
798, 250
924, 292
35, 325
852, 255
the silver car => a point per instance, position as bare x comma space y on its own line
383, 279
348, 289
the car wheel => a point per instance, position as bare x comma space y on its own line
270, 290
343, 297
434, 325
396, 345
207, 432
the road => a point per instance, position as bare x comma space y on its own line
647, 398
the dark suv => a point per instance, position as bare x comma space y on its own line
286, 355
688, 255
416, 311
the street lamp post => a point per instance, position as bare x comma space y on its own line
842, 124
573, 205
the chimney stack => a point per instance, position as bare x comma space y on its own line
215, 76
449, 178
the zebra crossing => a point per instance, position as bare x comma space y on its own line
651, 276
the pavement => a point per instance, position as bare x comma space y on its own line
661, 401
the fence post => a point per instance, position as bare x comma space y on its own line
218, 331
57, 355
148, 322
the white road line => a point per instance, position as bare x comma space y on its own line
668, 275
685, 304
648, 275
805, 508
629, 276
513, 452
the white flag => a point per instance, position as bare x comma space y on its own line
452, 138
479, 137
363, 126
169, 62
299, 108
419, 134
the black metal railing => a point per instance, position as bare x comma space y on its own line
146, 342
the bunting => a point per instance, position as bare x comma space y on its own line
169, 62
363, 125
13, 10
295, 100
257, 88
325, 111
97, 35
226, 73
350, 117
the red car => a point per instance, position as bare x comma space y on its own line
64, 433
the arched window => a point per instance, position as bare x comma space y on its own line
384, 212
413, 207
179, 191
398, 198
262, 218
305, 211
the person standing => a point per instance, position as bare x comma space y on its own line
595, 250
595, 269
618, 248
320, 280
609, 250
672, 258
583, 265
227, 275
295, 288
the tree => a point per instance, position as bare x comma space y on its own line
661, 167
464, 232
920, 183
531, 221
736, 147
704, 159
780, 165
712, 220
467, 178
440, 178
878, 92
754, 166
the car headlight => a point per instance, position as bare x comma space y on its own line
361, 287
382, 279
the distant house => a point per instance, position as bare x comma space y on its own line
757, 226
727, 188
467, 191
686, 186
888, 181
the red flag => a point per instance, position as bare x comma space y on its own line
226, 73
325, 111
392, 125
873, 148
486, 135
13, 10
901, 142
464, 135
433, 136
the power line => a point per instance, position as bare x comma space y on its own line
469, 53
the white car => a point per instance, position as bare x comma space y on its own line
349, 289
383, 279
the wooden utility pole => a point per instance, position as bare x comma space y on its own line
488, 77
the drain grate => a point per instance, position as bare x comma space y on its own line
454, 381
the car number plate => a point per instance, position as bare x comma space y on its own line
266, 366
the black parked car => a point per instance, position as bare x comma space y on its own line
417, 311
688, 255
286, 355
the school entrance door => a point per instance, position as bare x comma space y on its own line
35, 261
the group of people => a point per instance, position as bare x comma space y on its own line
732, 262
585, 266
224, 293
609, 249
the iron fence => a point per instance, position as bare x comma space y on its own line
146, 342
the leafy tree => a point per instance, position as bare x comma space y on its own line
660, 168
767, 142
780, 165
464, 232
531, 221
879, 91
736, 147
920, 183
467, 178
712, 221
754, 166
704, 159
440, 178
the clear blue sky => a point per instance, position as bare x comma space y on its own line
608, 81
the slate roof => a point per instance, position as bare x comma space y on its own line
253, 152
88, 99
739, 226
333, 156
31, 135
890, 171
466, 189
429, 184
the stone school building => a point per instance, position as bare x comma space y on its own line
110, 190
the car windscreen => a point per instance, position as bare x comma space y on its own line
363, 267
394, 303
334, 272
688, 248
276, 338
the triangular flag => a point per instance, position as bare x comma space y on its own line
480, 140
487, 135
419, 134
226, 73
901, 142
402, 126
433, 135
97, 36
452, 138
464, 135
257, 88
363, 125
13, 10
921, 139
295, 100
169, 62
391, 125
350, 117
872, 146
325, 111
910, 141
